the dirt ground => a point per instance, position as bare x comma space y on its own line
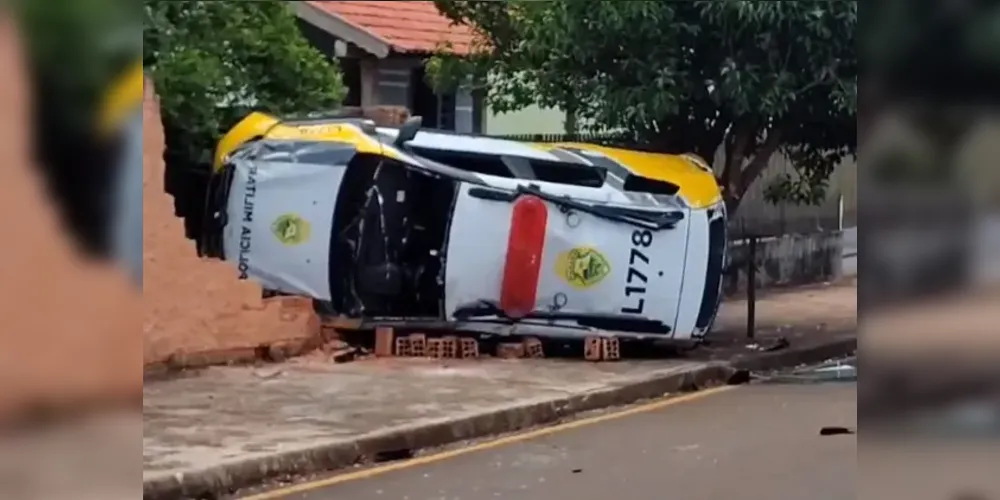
822, 306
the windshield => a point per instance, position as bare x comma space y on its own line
517, 167
647, 219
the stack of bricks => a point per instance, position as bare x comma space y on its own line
601, 348
418, 345
453, 347
533, 348
469, 348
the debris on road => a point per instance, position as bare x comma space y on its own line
835, 431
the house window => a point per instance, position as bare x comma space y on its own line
446, 111
351, 70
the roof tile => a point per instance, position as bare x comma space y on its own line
409, 26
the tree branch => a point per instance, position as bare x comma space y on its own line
736, 146
710, 144
760, 159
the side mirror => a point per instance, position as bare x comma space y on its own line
408, 130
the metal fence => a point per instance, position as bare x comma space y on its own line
609, 139
756, 216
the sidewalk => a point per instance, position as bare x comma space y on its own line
227, 427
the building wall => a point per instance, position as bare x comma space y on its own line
530, 120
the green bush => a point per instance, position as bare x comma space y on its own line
213, 62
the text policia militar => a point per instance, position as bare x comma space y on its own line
249, 197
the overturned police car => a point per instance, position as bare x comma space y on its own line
411, 225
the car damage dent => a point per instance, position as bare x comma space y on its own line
392, 225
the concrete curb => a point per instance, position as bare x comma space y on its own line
226, 478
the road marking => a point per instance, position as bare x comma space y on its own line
486, 445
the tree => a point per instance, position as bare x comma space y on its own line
213, 62
750, 78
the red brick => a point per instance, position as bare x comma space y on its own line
610, 349
592, 348
449, 347
434, 348
418, 345
510, 350
384, 342
533, 348
469, 348
403, 347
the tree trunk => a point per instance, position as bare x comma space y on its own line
739, 177
571, 126
734, 154
732, 203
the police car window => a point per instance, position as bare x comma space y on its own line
516, 167
599, 160
631, 182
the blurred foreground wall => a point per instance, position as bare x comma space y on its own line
196, 311
68, 336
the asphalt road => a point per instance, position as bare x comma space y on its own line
757, 442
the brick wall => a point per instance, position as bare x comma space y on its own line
196, 311
381, 115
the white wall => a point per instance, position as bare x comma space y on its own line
530, 120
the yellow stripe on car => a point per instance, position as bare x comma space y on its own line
696, 183
122, 98
262, 125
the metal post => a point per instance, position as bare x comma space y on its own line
752, 289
